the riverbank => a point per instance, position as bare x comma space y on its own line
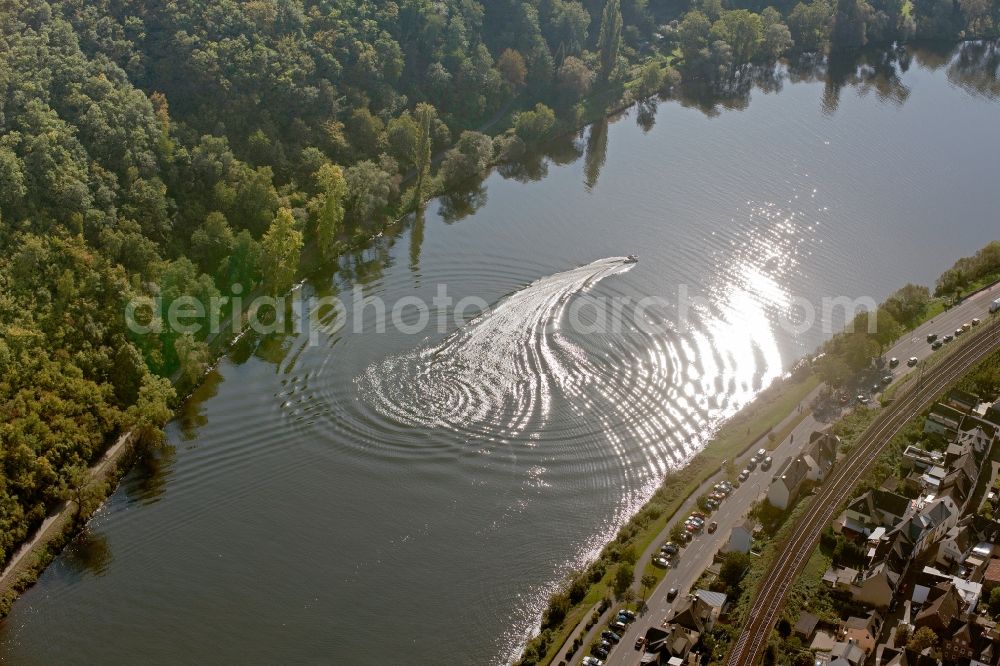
62, 524
558, 643
748, 429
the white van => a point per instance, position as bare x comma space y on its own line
995, 306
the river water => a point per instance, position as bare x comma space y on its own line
364, 496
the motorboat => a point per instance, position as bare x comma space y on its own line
631, 259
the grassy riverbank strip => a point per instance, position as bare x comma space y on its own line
65, 522
587, 588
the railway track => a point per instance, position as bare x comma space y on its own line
790, 561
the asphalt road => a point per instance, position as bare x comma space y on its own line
698, 555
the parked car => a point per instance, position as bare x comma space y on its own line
712, 526
975, 321
744, 475
948, 338
598, 651
959, 331
711, 505
752, 464
886, 379
670, 548
627, 613
761, 453
931, 337
609, 635
766, 464
618, 626
966, 326
937, 344
591, 661
861, 398
661, 562
671, 594
913, 361
893, 362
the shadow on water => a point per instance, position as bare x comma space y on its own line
88, 553
147, 480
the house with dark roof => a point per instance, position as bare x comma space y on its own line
787, 483
943, 606
943, 420
805, 627
960, 480
876, 508
821, 454
877, 586
955, 544
962, 400
672, 642
695, 614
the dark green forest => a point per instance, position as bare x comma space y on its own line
169, 149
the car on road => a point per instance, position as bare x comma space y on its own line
744, 475
591, 661
766, 463
609, 635
712, 526
671, 594
913, 361
937, 344
893, 362
931, 337
640, 642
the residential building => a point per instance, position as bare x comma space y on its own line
787, 483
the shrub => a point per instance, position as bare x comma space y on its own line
535, 125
